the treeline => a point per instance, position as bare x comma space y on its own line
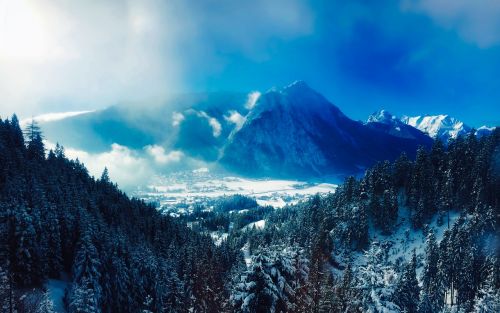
459, 273
121, 255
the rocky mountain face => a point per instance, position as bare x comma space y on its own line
296, 132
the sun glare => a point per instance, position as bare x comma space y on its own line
22, 32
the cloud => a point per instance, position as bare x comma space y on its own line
213, 123
216, 126
248, 25
476, 21
236, 118
80, 55
130, 168
177, 118
126, 166
252, 99
88, 55
161, 157
51, 117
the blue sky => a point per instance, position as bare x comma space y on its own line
409, 56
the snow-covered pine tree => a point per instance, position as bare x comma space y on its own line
46, 305
272, 282
328, 301
25, 256
488, 297
430, 284
376, 281
87, 267
83, 299
406, 295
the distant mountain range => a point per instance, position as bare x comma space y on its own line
288, 132
442, 127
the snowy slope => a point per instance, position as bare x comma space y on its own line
402, 241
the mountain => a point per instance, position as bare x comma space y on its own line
390, 124
443, 127
197, 124
484, 131
296, 132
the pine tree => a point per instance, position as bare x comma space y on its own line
389, 211
16, 133
270, 283
488, 298
24, 252
407, 291
86, 268
328, 301
430, 285
402, 171
83, 299
46, 305
105, 176
376, 281
51, 246
346, 294
36, 149
8, 299
425, 305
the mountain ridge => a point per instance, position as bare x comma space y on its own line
297, 131
292, 131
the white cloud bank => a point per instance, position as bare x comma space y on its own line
161, 157
127, 167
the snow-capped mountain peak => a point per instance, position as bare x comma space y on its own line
441, 126
382, 116
384, 121
295, 131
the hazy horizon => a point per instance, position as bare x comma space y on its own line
409, 57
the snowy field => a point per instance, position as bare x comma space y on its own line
200, 185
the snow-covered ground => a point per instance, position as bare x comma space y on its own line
256, 225
246, 254
199, 186
405, 239
218, 237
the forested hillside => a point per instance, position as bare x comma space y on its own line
353, 250
337, 253
120, 253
